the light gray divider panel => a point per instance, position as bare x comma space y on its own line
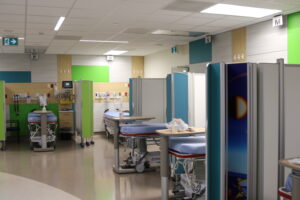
292, 111
268, 110
154, 99
78, 106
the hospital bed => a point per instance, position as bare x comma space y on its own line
34, 126
112, 126
139, 159
187, 155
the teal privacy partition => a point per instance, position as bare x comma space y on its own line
169, 98
214, 89
231, 132
180, 89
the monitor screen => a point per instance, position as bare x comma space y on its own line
67, 84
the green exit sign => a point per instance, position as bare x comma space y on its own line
8, 41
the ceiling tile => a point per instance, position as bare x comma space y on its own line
51, 3
12, 18
208, 29
188, 6
47, 11
33, 19
75, 21
225, 22
75, 33
40, 27
96, 4
88, 13
12, 9
65, 43
13, 2
82, 28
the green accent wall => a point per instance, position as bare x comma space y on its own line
24, 109
2, 111
91, 73
294, 38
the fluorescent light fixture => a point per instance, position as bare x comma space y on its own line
244, 11
59, 23
105, 41
21, 38
114, 52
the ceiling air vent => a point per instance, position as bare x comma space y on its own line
188, 6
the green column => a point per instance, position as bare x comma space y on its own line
294, 38
87, 109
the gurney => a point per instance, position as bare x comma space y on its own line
187, 155
112, 126
140, 159
34, 126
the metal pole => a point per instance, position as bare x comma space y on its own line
164, 167
116, 167
44, 131
281, 124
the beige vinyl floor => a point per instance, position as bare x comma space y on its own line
71, 173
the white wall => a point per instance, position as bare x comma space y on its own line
120, 68
222, 47
44, 69
14, 62
159, 64
265, 43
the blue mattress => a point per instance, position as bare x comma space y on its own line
112, 114
289, 183
191, 139
35, 117
189, 148
141, 128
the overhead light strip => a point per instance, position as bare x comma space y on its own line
244, 11
59, 23
115, 52
105, 41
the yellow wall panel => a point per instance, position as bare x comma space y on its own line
137, 67
239, 45
64, 69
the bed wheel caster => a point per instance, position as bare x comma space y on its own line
87, 144
82, 145
140, 168
3, 147
92, 142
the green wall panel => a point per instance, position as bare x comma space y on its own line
24, 109
91, 73
294, 38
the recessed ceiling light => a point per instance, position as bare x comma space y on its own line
105, 41
234, 10
115, 52
59, 23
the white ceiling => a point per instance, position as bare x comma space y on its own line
112, 19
